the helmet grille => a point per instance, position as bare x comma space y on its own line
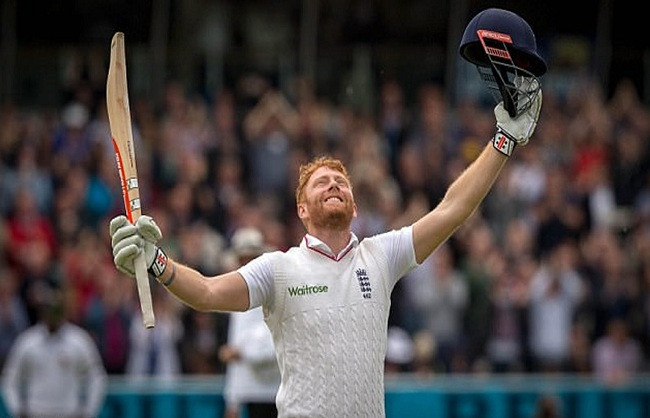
506, 81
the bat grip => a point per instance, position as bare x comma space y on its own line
144, 293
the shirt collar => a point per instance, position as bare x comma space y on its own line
319, 246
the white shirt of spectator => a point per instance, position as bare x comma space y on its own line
255, 377
60, 374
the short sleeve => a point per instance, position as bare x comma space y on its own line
400, 253
258, 274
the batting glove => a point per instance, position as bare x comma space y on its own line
129, 240
517, 131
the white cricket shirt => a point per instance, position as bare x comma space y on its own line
328, 314
60, 373
255, 376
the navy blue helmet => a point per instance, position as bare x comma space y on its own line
503, 47
523, 47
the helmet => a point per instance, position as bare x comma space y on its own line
523, 47
502, 46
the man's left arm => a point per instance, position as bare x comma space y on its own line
467, 192
461, 200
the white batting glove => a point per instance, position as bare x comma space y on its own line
517, 131
129, 240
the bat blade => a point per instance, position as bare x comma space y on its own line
119, 117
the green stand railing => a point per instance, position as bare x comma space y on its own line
444, 396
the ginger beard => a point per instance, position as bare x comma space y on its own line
333, 214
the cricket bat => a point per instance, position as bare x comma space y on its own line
119, 117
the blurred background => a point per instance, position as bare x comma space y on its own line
47, 48
548, 280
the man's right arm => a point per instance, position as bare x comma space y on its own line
225, 292
12, 377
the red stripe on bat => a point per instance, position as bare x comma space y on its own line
125, 193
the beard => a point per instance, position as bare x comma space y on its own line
336, 218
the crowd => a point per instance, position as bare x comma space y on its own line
551, 274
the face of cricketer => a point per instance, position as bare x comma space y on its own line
328, 201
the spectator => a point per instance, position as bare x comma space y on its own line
108, 319
630, 166
580, 352
400, 353
28, 229
252, 375
614, 284
199, 348
478, 244
27, 174
394, 119
13, 314
226, 135
270, 127
101, 193
72, 143
555, 292
154, 352
508, 303
54, 368
617, 355
32, 252
438, 292
82, 264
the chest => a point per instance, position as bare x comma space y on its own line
312, 281
53, 355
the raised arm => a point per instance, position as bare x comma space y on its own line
461, 200
226, 292
467, 192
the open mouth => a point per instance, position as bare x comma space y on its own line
333, 199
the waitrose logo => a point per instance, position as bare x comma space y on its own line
307, 290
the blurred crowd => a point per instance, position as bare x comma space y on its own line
550, 275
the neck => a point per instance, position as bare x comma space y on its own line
335, 239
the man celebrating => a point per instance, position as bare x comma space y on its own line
327, 301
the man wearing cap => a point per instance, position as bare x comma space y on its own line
252, 374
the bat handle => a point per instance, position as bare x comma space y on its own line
144, 292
